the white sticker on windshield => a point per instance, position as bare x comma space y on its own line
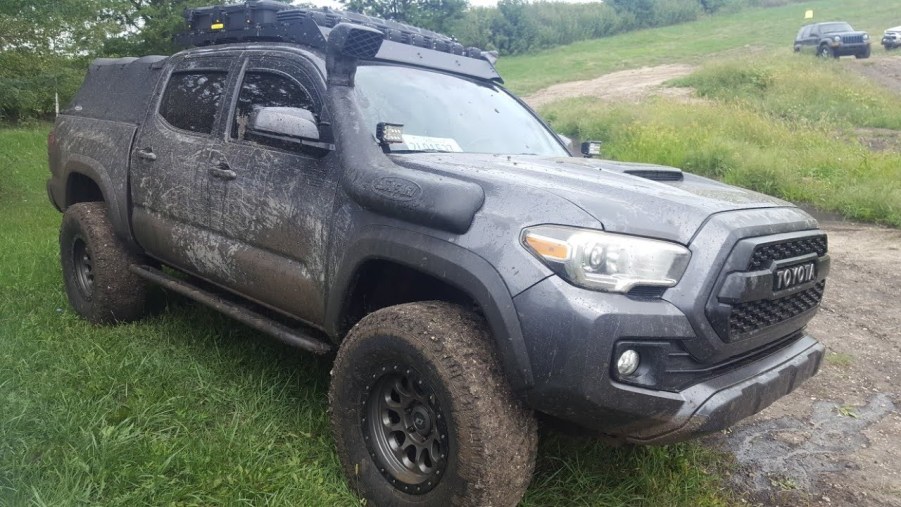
425, 143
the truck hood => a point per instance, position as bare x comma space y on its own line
622, 202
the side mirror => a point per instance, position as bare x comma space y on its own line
591, 149
289, 122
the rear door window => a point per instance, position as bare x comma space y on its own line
192, 99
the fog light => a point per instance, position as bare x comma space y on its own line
627, 362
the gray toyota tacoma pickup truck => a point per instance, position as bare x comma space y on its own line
370, 192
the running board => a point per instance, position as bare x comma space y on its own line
244, 315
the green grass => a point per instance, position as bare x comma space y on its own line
190, 408
791, 127
734, 34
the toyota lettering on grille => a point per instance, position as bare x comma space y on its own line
792, 276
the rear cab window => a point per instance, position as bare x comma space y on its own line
192, 99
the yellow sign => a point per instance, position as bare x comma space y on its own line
217, 26
808, 14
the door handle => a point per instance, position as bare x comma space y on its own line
146, 154
223, 173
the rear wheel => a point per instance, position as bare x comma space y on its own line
95, 266
422, 414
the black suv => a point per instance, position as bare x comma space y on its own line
370, 192
832, 40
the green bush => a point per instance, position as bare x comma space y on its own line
28, 83
799, 89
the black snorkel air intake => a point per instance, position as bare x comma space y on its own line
348, 43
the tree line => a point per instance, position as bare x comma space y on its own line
45, 45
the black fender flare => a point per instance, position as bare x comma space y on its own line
116, 204
459, 267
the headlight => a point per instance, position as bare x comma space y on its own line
866, 36
605, 261
837, 38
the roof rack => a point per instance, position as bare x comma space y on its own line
267, 20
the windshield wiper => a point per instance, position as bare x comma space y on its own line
420, 151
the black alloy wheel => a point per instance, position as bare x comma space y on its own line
406, 431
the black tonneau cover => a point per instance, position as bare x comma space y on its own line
117, 89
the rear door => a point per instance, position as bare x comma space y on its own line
170, 185
812, 40
274, 214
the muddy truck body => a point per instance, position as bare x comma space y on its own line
366, 196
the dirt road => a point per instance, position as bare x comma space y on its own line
625, 86
837, 439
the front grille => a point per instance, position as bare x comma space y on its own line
852, 39
754, 316
764, 255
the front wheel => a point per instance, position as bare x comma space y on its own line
864, 55
826, 52
422, 414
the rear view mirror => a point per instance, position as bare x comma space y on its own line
289, 122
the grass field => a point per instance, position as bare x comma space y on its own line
788, 126
730, 34
189, 408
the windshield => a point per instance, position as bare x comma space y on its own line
835, 27
440, 112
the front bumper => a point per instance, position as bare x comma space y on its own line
573, 335
851, 49
891, 42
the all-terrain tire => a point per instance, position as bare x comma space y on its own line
95, 266
437, 357
864, 55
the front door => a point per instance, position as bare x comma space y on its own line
277, 204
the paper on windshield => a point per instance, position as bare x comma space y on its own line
426, 143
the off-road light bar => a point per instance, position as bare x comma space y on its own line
591, 148
389, 133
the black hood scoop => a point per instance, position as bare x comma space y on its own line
662, 174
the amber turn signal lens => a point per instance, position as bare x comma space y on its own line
551, 249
